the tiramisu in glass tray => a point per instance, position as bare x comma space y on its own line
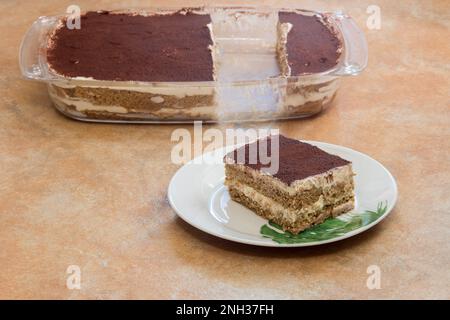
211, 64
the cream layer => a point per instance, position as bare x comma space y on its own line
83, 105
306, 213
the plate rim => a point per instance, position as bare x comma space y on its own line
273, 243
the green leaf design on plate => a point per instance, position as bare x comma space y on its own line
329, 229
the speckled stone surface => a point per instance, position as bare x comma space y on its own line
94, 195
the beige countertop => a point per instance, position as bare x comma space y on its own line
94, 195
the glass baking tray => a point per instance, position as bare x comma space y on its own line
248, 85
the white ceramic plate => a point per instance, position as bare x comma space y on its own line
198, 195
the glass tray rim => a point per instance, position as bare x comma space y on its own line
45, 74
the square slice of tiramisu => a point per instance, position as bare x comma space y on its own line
309, 186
